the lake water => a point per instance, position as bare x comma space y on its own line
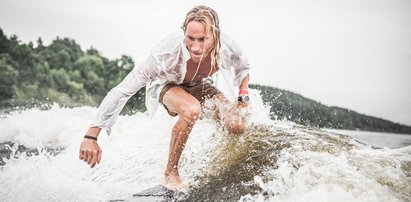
271, 161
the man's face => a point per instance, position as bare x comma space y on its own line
198, 42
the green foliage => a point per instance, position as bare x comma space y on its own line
286, 105
61, 73
8, 80
60, 79
90, 67
4, 42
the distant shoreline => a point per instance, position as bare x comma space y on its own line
378, 139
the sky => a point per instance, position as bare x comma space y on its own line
354, 54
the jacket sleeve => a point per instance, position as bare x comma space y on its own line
117, 97
238, 61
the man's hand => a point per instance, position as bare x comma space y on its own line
90, 152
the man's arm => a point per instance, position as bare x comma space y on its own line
244, 83
244, 90
112, 105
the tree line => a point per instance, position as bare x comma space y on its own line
38, 76
286, 105
59, 73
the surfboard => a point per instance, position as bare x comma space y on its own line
156, 193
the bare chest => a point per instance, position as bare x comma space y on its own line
196, 73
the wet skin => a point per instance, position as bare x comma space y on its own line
199, 43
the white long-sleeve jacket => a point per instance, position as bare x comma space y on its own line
167, 64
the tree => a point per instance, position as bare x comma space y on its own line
70, 46
60, 79
40, 44
4, 42
90, 68
8, 80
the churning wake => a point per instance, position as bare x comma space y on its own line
270, 161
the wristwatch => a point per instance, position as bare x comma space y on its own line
244, 98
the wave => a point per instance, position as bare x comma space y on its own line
270, 161
302, 164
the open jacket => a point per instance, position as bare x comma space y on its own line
167, 64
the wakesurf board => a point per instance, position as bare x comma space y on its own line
156, 193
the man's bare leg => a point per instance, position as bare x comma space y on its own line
179, 137
188, 108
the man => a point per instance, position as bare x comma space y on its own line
178, 74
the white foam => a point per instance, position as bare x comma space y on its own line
135, 155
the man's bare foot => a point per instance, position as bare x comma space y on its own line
175, 183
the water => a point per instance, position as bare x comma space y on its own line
271, 161
378, 139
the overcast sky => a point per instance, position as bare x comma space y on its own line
353, 54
